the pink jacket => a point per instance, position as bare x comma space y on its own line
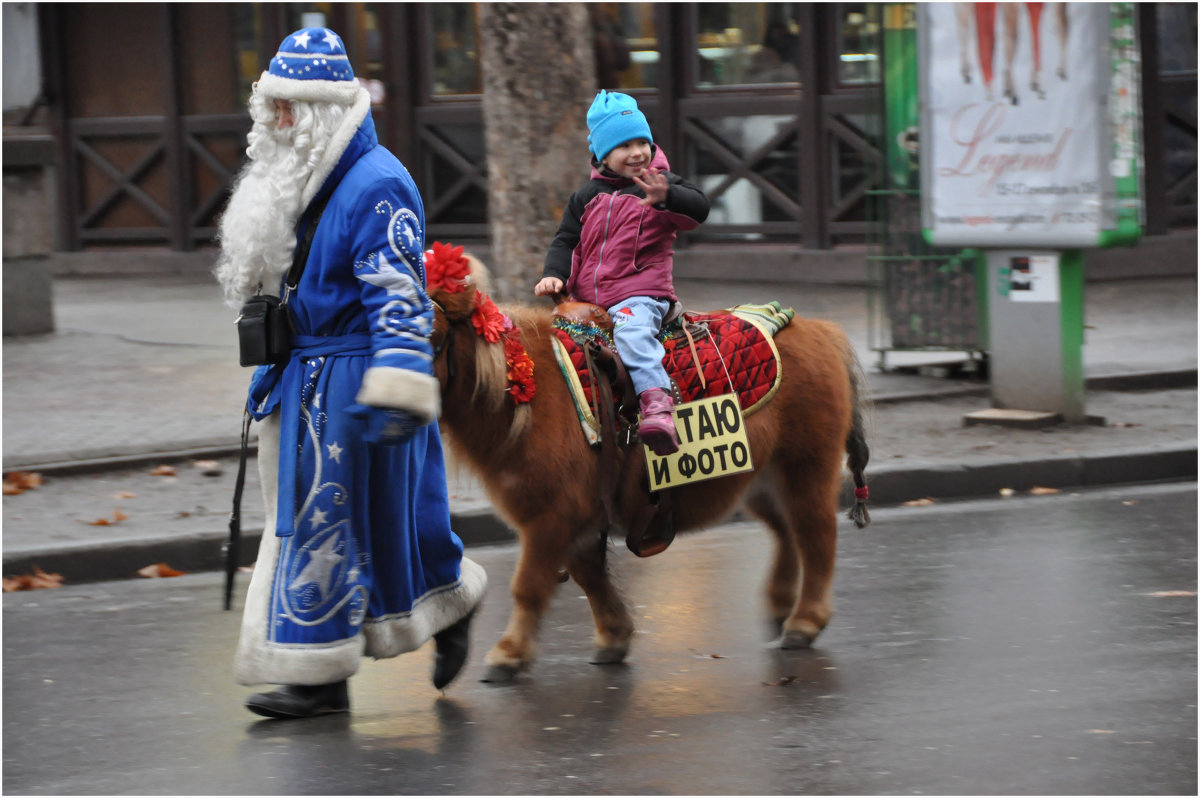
623, 248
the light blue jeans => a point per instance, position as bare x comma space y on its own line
636, 322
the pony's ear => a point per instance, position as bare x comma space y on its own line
460, 304
481, 278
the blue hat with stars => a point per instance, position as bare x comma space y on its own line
311, 65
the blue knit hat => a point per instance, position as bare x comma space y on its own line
614, 119
311, 65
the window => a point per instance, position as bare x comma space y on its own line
455, 50
626, 45
747, 43
1176, 37
857, 43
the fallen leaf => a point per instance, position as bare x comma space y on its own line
163, 471
183, 514
210, 468
124, 494
716, 656
919, 502
159, 569
1130, 502
1170, 593
783, 680
16, 482
1124, 424
1043, 491
38, 580
1006, 492
117, 517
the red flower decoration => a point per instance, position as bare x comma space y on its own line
446, 268
521, 387
494, 327
488, 320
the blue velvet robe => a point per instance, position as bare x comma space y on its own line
358, 556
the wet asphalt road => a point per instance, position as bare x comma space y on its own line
1032, 645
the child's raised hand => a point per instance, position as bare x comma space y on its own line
547, 286
654, 184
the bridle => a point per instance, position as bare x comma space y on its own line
447, 344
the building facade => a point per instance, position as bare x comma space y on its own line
772, 108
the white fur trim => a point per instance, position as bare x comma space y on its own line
342, 92
337, 143
431, 613
256, 661
401, 389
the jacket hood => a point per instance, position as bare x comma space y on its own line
658, 160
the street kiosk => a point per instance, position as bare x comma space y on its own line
1030, 151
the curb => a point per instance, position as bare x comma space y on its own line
116, 560
61, 464
202, 551
891, 486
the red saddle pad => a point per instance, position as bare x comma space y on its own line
735, 357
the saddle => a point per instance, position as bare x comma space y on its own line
612, 398
707, 354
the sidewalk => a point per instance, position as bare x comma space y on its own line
143, 370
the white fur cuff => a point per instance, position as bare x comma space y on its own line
401, 389
342, 92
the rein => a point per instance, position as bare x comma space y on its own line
447, 344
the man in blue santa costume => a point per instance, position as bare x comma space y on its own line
357, 558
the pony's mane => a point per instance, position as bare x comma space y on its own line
491, 370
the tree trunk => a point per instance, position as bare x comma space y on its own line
538, 81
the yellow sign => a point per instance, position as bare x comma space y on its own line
713, 443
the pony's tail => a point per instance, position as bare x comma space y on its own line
856, 441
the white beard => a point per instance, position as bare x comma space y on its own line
257, 231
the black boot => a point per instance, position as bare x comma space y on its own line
451, 653
301, 700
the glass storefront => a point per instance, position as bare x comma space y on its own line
750, 160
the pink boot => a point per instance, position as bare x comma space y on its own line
657, 428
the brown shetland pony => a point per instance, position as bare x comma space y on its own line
541, 474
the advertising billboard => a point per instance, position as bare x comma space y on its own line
1017, 139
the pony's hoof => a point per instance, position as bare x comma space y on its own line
499, 674
795, 640
774, 627
608, 656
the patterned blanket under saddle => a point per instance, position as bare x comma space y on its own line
736, 355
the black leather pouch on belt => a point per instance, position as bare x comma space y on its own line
264, 334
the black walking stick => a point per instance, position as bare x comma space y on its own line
233, 549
